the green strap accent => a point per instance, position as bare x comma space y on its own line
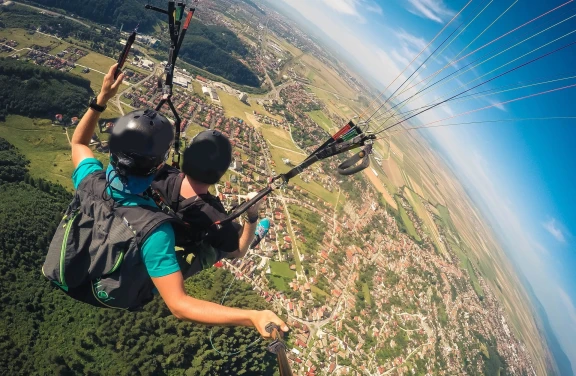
117, 264
68, 226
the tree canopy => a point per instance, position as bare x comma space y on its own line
209, 47
111, 12
204, 53
36, 91
42, 331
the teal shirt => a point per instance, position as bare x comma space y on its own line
158, 249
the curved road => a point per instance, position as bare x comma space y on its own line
53, 13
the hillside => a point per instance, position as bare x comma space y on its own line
110, 12
44, 332
36, 91
212, 48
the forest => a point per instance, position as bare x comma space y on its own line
110, 12
35, 91
102, 41
42, 331
212, 48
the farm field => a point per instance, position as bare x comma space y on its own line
322, 120
312, 227
366, 291
422, 213
233, 107
45, 145
282, 269
278, 282
410, 229
281, 141
27, 40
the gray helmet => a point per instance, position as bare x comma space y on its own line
140, 143
207, 157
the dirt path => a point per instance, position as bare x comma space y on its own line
290, 150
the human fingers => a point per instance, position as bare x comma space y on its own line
118, 82
112, 69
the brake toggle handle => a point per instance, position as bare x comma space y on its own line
350, 166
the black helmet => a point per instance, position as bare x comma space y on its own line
140, 143
207, 157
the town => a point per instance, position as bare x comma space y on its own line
366, 285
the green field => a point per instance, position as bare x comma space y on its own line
466, 263
408, 223
279, 283
366, 291
312, 227
280, 137
281, 275
474, 279
96, 61
318, 291
446, 218
322, 120
46, 147
312, 187
282, 269
192, 129
26, 40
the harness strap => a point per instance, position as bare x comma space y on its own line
175, 197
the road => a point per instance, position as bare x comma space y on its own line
263, 46
290, 150
53, 14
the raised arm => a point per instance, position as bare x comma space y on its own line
85, 129
184, 307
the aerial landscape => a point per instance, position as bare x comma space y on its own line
450, 254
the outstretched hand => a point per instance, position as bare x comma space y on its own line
261, 319
110, 85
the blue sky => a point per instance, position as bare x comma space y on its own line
521, 172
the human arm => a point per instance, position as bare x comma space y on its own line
247, 235
184, 307
85, 129
160, 259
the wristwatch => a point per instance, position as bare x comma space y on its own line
95, 106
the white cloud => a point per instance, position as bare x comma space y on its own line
354, 7
343, 6
399, 58
410, 47
555, 229
434, 10
374, 8
410, 41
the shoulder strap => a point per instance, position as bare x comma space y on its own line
93, 188
142, 221
175, 198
